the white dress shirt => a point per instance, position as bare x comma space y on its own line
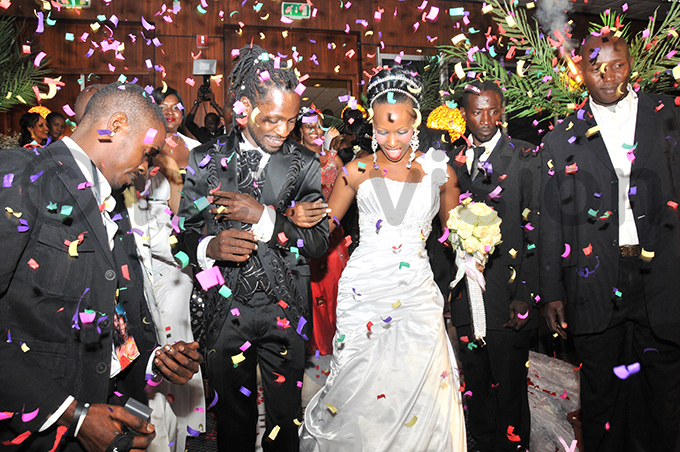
617, 127
489, 146
263, 229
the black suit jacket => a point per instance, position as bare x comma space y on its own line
515, 169
293, 174
581, 210
40, 307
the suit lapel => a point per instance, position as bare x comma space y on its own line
595, 143
500, 159
71, 176
645, 126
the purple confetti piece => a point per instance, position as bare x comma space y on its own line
387, 320
117, 217
41, 23
301, 324
35, 177
245, 391
7, 180
191, 170
378, 224
103, 131
650, 350
633, 191
204, 162
317, 354
597, 195
193, 432
215, 399
355, 292
9, 337
572, 139
139, 232
235, 312
594, 54
580, 114
300, 243
23, 225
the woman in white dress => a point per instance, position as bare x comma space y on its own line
393, 383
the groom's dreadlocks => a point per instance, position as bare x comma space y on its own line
245, 78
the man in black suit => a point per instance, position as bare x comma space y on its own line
261, 314
610, 252
77, 327
503, 173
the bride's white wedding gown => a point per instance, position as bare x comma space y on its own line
393, 383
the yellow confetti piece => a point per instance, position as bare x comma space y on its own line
520, 68
275, 430
369, 33
646, 255
531, 5
571, 124
513, 276
592, 131
555, 335
676, 72
121, 47
412, 422
284, 33
487, 9
396, 304
221, 209
173, 240
11, 212
9, 94
262, 36
550, 164
331, 408
265, 17
236, 359
336, 69
527, 364
254, 114
674, 33
619, 33
511, 21
460, 73
296, 422
95, 26
165, 86
603, 68
73, 248
513, 253
525, 213
458, 39
24, 347
21, 99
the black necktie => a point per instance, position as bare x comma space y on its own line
479, 150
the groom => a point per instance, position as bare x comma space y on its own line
260, 316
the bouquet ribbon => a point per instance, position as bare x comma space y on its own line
467, 267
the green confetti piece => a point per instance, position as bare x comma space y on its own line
183, 258
296, 251
66, 210
361, 165
404, 264
201, 203
341, 338
101, 18
258, 7
52, 207
200, 9
451, 104
49, 21
70, 37
593, 212
181, 224
618, 293
225, 291
531, 246
122, 78
390, 97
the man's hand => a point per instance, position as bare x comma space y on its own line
104, 422
232, 245
307, 214
237, 207
519, 315
178, 362
553, 313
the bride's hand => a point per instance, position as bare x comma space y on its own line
480, 267
307, 214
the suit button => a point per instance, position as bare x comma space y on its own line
615, 181
104, 323
615, 242
110, 275
101, 368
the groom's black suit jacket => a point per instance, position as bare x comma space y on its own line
40, 306
570, 200
292, 174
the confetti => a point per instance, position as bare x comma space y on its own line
192, 432
27, 417
511, 436
7, 180
274, 432
150, 135
646, 256
210, 278
33, 264
624, 371
567, 250
412, 422
245, 391
331, 408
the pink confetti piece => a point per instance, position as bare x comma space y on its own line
147, 25
287, 20
39, 58
624, 7
5, 415
444, 236
423, 5
432, 15
41, 23
150, 135
84, 185
523, 316
210, 278
645, 33
300, 89
624, 371
496, 193
567, 250
246, 345
27, 417
68, 110
235, 312
574, 442
87, 317
264, 76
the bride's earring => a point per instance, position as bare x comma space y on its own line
415, 143
375, 160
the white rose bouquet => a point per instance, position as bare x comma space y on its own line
475, 230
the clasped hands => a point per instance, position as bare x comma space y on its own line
103, 423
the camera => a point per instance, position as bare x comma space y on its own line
205, 89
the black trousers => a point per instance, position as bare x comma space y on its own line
641, 412
280, 352
497, 376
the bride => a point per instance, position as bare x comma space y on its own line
393, 383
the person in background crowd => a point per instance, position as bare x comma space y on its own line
212, 127
56, 123
34, 130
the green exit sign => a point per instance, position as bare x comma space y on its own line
296, 10
76, 3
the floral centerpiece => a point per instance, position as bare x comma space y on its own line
475, 230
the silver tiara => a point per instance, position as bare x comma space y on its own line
396, 90
408, 81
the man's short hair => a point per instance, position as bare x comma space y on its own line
126, 98
477, 87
